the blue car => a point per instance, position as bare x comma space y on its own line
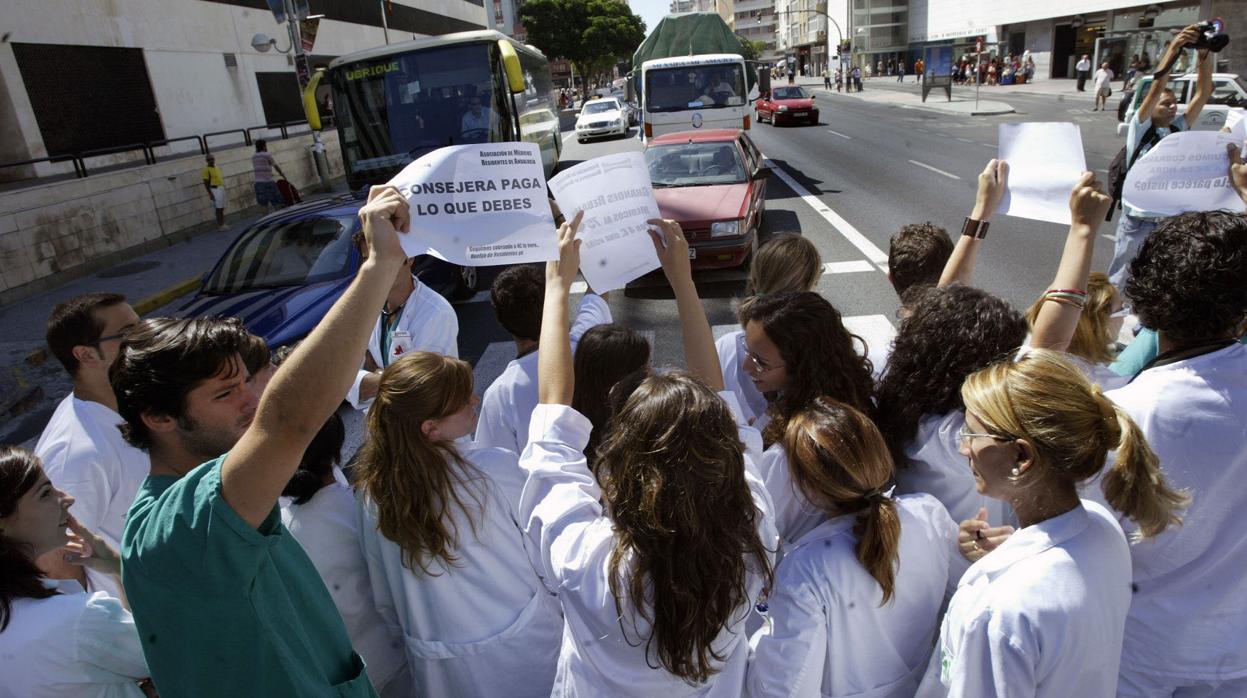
284, 272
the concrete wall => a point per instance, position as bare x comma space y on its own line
69, 228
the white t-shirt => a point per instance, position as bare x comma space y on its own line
1103, 77
1188, 618
328, 529
830, 636
512, 397
937, 467
1083, 65
84, 454
485, 626
573, 539
1042, 615
429, 323
72, 645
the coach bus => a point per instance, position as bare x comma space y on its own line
394, 103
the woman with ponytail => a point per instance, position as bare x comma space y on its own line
443, 542
1044, 613
856, 601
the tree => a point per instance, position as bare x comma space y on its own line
592, 34
753, 49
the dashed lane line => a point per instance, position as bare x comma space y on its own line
837, 133
850, 267
936, 170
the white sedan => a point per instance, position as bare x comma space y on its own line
601, 117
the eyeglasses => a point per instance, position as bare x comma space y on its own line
121, 334
1121, 312
964, 435
758, 364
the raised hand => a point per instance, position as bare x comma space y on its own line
976, 538
87, 549
1088, 204
993, 181
384, 216
563, 270
1238, 171
672, 248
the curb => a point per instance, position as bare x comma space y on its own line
164, 297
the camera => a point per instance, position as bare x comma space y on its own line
1210, 38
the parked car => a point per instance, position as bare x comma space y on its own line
786, 105
601, 117
714, 184
283, 273
1228, 91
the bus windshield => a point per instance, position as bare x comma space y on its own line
695, 87
394, 109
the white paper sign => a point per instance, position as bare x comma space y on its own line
479, 205
1045, 162
1186, 171
617, 197
1236, 121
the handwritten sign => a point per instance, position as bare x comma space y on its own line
479, 205
617, 197
1187, 171
1045, 162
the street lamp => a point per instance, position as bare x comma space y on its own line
263, 42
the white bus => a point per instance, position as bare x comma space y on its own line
706, 91
395, 103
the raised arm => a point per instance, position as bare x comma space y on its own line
310, 385
1056, 322
556, 375
1160, 79
1203, 87
992, 182
699, 352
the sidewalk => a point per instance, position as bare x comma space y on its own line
32, 381
908, 95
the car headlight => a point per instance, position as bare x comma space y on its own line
617, 122
725, 228
783, 107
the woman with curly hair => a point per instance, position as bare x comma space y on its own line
605, 355
797, 349
857, 600
443, 541
658, 567
953, 331
785, 263
1044, 613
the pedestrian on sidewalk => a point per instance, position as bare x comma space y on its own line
1083, 68
792, 74
827, 81
215, 184
839, 80
857, 78
920, 67
263, 163
900, 71
1103, 86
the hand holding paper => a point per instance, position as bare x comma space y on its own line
671, 248
993, 181
1045, 161
563, 270
1088, 203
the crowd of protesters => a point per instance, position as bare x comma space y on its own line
998, 503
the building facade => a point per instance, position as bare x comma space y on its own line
807, 40
756, 21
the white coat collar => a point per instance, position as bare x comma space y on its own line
1028, 542
829, 528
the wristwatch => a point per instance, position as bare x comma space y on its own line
975, 229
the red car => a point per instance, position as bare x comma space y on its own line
786, 105
714, 184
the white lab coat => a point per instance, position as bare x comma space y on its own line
485, 626
84, 454
574, 538
327, 526
431, 322
71, 645
731, 350
1042, 615
937, 467
1099, 374
795, 515
830, 636
1188, 619
511, 398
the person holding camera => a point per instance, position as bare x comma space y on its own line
1156, 118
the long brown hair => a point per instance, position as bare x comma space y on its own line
840, 462
673, 477
20, 577
1092, 338
1044, 399
417, 484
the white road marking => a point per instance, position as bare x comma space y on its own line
934, 169
837, 221
837, 133
988, 145
1106, 236
965, 140
848, 267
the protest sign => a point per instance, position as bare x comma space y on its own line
1236, 121
1187, 171
617, 197
1045, 162
479, 205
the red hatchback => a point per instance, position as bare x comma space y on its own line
714, 184
786, 105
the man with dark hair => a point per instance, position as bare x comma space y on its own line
917, 254
225, 600
1186, 616
263, 163
517, 295
81, 448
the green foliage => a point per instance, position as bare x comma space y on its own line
592, 34
753, 49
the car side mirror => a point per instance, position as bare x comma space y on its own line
761, 173
813, 96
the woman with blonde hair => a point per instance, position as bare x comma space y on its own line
786, 262
857, 600
1044, 613
443, 540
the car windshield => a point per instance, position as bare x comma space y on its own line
1229, 92
790, 93
599, 107
691, 164
695, 87
288, 253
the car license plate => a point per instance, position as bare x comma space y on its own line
692, 253
798, 113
